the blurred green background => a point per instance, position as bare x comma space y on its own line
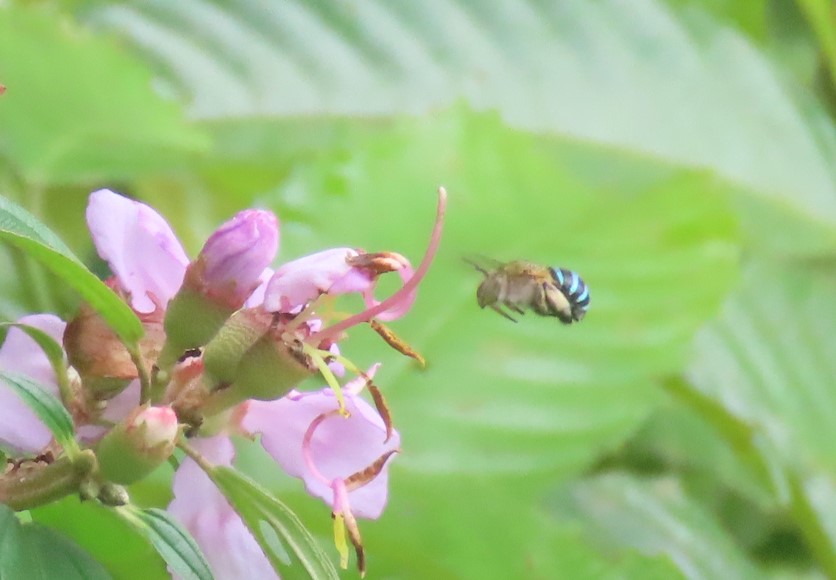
678, 154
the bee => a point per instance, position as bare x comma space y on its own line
547, 291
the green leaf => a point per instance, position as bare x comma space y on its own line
121, 547
767, 360
655, 245
655, 517
20, 229
764, 370
456, 527
34, 552
820, 15
637, 76
262, 512
46, 406
170, 539
98, 115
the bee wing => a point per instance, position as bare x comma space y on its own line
482, 263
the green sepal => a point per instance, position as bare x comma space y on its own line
246, 360
123, 456
225, 352
192, 319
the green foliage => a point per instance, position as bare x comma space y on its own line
684, 429
121, 547
20, 229
78, 108
33, 551
170, 539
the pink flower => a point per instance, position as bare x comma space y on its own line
339, 447
342, 459
20, 428
138, 244
337, 271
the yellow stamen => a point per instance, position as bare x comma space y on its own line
326, 373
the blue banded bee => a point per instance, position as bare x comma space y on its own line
547, 291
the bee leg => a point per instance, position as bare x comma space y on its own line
558, 305
515, 308
502, 312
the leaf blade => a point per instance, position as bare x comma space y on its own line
22, 230
170, 539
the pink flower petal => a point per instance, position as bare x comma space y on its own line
140, 247
300, 281
226, 542
257, 297
340, 446
20, 428
117, 409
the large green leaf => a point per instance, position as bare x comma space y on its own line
655, 517
655, 245
122, 548
766, 368
472, 528
34, 552
79, 108
637, 75
19, 228
767, 360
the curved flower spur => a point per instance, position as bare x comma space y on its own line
228, 339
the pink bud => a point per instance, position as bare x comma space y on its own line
138, 445
237, 253
155, 425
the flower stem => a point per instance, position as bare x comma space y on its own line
202, 462
142, 373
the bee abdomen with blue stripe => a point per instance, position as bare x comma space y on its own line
574, 289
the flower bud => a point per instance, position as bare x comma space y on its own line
218, 283
138, 445
237, 253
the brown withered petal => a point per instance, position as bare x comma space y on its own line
396, 342
378, 262
99, 356
382, 407
356, 541
361, 478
